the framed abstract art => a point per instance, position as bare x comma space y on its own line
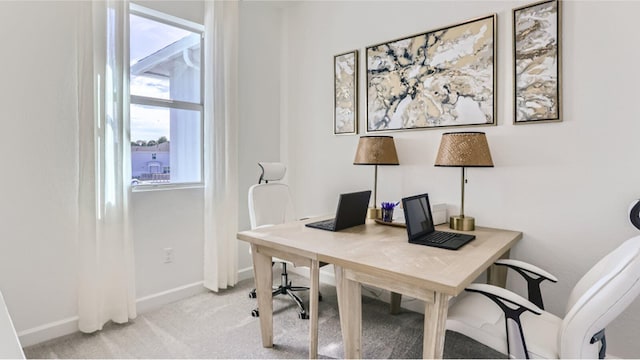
345, 100
440, 78
537, 62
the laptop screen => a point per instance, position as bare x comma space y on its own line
418, 215
352, 209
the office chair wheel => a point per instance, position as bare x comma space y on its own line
252, 294
303, 315
255, 313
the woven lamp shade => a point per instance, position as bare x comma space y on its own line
376, 150
464, 149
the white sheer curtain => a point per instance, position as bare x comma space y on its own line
221, 141
106, 290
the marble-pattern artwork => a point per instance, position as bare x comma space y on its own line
346, 73
536, 41
440, 78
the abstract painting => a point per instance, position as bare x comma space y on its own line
345, 100
444, 77
536, 53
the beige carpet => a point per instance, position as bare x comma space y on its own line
211, 325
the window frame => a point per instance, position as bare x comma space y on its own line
171, 20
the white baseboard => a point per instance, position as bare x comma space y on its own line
246, 273
48, 331
144, 304
156, 300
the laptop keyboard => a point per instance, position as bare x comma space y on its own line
439, 237
325, 224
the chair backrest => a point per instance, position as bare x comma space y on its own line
598, 298
270, 203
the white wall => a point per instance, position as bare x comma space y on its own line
259, 75
167, 219
566, 185
39, 146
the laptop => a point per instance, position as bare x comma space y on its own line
417, 215
352, 211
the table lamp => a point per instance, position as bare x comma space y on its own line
463, 149
376, 150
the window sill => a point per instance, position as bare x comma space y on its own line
164, 187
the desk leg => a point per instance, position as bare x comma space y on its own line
497, 275
264, 281
313, 308
394, 303
435, 319
350, 308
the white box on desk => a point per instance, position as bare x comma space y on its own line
438, 211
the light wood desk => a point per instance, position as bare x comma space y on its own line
376, 255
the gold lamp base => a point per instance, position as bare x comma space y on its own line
464, 223
374, 213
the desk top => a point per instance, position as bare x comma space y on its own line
385, 251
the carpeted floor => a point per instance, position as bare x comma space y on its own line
211, 325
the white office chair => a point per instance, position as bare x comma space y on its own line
270, 204
527, 331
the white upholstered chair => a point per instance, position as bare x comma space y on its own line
530, 332
270, 204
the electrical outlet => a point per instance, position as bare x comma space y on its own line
168, 255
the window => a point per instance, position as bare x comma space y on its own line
166, 98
